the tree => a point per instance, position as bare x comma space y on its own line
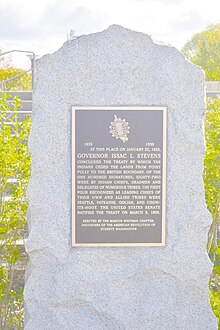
15, 167
211, 177
204, 50
16, 79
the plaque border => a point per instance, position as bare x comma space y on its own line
73, 168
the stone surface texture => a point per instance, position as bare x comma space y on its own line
117, 288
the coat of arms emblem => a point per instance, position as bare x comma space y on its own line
119, 129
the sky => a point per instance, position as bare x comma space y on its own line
43, 26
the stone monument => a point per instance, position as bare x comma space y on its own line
116, 287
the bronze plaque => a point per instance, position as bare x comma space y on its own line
118, 176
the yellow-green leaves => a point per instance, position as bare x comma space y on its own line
15, 167
212, 157
16, 79
211, 177
204, 50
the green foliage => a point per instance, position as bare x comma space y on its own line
204, 50
215, 292
21, 79
15, 165
212, 157
212, 192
